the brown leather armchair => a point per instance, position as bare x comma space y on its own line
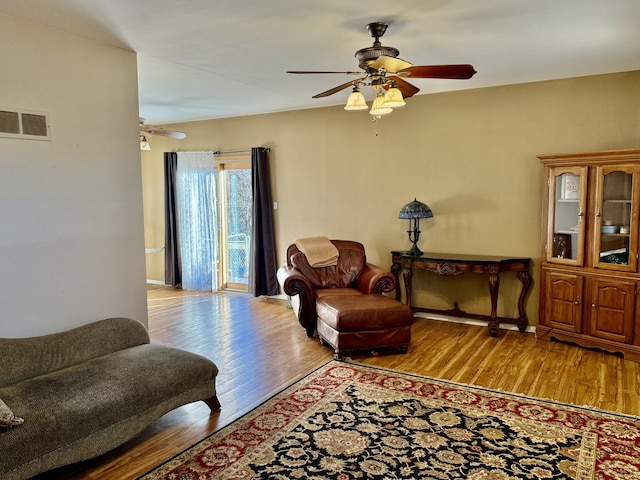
351, 276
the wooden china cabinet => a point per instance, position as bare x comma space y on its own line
590, 277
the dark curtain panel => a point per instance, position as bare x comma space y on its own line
172, 261
262, 267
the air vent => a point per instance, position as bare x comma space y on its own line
26, 124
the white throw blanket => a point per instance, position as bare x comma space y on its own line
320, 252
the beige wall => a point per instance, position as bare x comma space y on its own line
71, 236
470, 155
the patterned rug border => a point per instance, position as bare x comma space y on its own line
347, 361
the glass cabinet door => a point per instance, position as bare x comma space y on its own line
566, 228
615, 222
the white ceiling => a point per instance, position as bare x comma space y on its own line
202, 59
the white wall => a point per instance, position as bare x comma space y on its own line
71, 223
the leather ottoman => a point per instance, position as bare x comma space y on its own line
363, 322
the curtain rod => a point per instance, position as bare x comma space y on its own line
230, 152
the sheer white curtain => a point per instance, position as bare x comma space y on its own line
197, 220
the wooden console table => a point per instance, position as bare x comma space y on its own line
449, 265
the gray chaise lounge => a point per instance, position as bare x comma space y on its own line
88, 390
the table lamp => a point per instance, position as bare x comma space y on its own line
414, 211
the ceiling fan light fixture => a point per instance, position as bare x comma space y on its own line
393, 98
144, 144
378, 108
356, 101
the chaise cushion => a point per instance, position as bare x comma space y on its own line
29, 357
67, 405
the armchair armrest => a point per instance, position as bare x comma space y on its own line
374, 279
294, 283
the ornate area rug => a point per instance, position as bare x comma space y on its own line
347, 421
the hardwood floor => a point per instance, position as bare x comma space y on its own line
260, 349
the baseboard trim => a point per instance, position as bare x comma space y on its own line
469, 321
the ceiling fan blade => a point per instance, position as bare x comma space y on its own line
462, 72
407, 89
337, 89
167, 133
162, 132
390, 64
303, 72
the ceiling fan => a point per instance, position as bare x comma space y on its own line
386, 73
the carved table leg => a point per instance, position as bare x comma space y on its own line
494, 285
395, 269
525, 278
407, 273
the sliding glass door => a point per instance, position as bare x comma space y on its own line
235, 205
214, 203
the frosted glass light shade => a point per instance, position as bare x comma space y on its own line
393, 98
356, 101
144, 144
379, 108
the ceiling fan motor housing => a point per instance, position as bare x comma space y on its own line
366, 56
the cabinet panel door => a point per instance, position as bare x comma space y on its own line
612, 309
615, 218
566, 223
563, 301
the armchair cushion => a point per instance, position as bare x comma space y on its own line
333, 292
